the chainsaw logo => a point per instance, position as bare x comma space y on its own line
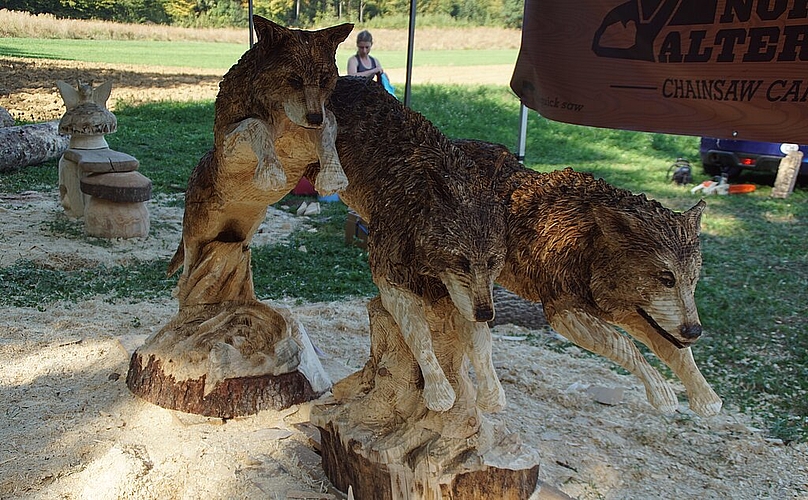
642, 21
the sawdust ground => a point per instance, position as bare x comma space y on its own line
69, 428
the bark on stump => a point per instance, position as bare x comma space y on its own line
230, 357
26, 145
379, 438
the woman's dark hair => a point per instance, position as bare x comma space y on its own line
364, 36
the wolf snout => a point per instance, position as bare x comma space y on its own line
690, 332
483, 313
314, 119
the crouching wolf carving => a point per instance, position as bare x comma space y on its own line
597, 257
433, 229
270, 123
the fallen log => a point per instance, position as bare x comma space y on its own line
6, 120
26, 145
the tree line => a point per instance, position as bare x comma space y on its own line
300, 13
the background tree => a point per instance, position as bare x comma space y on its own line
300, 13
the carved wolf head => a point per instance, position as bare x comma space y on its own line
646, 273
465, 246
293, 68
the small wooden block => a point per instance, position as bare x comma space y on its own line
102, 160
112, 219
125, 187
787, 173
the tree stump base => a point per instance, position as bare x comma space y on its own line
378, 437
226, 360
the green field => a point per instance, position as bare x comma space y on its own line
219, 55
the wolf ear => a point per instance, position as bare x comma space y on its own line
269, 33
614, 224
693, 216
335, 35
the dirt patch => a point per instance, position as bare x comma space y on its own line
28, 86
71, 429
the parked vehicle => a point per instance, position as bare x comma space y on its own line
732, 156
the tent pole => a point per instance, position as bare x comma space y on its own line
520, 142
410, 45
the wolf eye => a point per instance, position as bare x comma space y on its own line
465, 265
667, 279
296, 82
325, 80
493, 262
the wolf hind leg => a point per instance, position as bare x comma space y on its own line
408, 310
477, 339
252, 141
601, 338
331, 177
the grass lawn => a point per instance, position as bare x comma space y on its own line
752, 295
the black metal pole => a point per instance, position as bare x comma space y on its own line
410, 50
250, 13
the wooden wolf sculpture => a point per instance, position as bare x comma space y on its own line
270, 122
226, 353
433, 229
597, 257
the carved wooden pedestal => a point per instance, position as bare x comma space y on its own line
230, 355
379, 438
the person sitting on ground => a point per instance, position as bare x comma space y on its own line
362, 64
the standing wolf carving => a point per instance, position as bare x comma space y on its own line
270, 122
597, 257
434, 229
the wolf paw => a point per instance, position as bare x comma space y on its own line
331, 179
662, 398
439, 396
706, 405
491, 397
269, 175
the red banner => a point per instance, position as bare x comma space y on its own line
720, 68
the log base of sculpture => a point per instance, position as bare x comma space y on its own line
378, 437
231, 355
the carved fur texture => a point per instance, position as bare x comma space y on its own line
435, 228
270, 123
598, 257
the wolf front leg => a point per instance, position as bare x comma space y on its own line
331, 177
601, 338
477, 339
702, 398
409, 312
253, 141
